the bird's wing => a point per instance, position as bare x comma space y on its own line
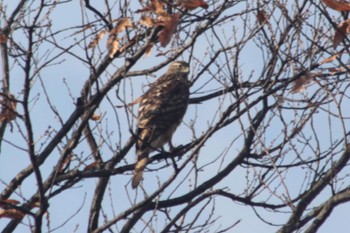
163, 105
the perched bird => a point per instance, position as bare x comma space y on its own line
160, 112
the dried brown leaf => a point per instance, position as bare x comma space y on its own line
193, 4
300, 83
341, 32
147, 21
335, 70
3, 38
11, 213
91, 166
121, 25
95, 117
163, 19
329, 59
158, 6
3, 203
155, 6
169, 29
97, 39
113, 40
262, 17
113, 48
338, 5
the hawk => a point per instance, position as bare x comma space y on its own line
160, 112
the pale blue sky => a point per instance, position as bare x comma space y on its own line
75, 73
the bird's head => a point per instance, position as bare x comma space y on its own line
179, 67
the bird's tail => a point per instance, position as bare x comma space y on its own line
141, 163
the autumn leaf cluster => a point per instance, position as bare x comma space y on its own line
9, 209
341, 31
156, 13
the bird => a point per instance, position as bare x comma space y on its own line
161, 110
